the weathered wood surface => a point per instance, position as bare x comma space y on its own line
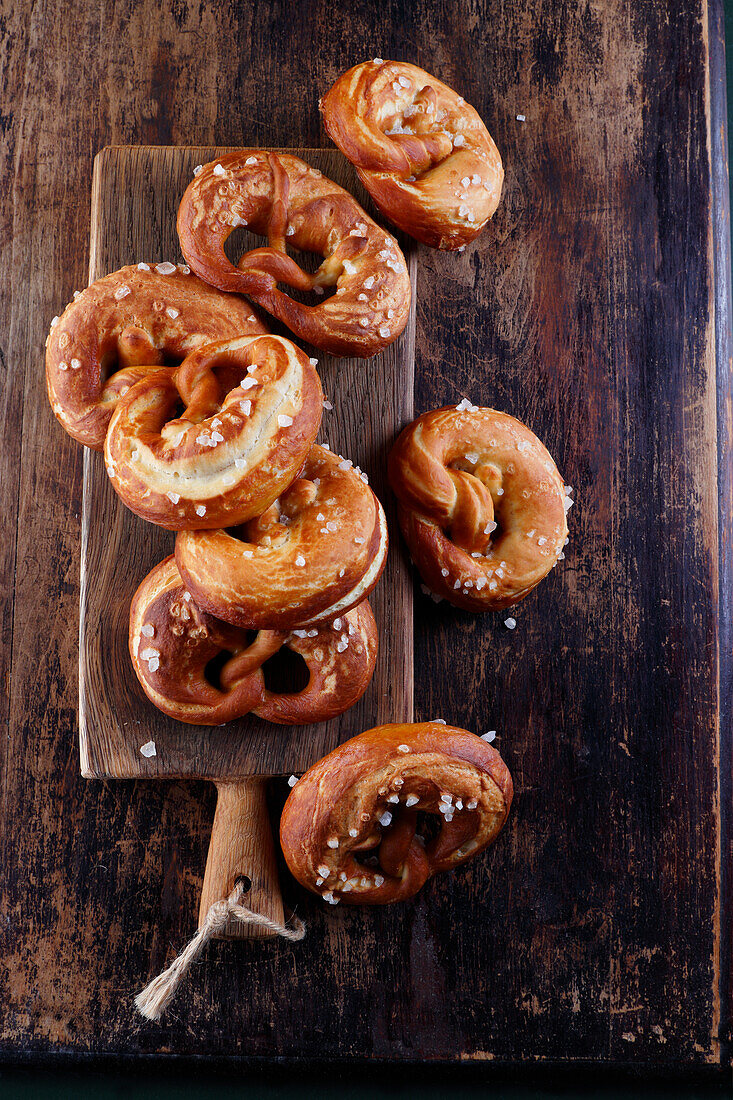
136, 192
591, 932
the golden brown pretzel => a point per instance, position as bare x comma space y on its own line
360, 825
421, 151
252, 407
287, 201
172, 642
137, 317
316, 552
482, 505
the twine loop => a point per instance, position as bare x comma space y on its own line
152, 1001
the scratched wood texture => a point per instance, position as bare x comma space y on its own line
597, 928
135, 197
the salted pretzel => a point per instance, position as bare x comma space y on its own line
314, 553
481, 505
421, 151
371, 822
282, 198
216, 440
174, 646
111, 333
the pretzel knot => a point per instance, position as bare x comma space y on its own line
218, 439
113, 332
282, 198
373, 820
481, 505
316, 552
421, 151
200, 670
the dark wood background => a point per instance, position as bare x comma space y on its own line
597, 929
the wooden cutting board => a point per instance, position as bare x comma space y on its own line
135, 197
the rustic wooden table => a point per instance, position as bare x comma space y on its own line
596, 308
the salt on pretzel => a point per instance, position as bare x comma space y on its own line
482, 506
216, 440
111, 333
173, 644
421, 151
372, 821
282, 198
316, 552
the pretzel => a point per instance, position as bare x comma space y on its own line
114, 331
314, 553
481, 505
421, 151
173, 644
282, 198
252, 408
371, 822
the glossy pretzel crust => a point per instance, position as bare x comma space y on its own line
421, 151
113, 332
368, 798
284, 199
252, 407
481, 505
316, 552
172, 642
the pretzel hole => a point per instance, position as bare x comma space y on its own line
242, 240
212, 671
286, 673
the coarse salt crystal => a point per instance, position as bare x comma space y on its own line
165, 268
403, 748
384, 332
292, 780
510, 623
521, 118
459, 140
218, 170
284, 421
154, 664
122, 292
173, 313
412, 800
143, 267
148, 749
173, 497
200, 509
251, 160
300, 560
246, 407
487, 737
327, 406
369, 283
332, 842
385, 818
75, 364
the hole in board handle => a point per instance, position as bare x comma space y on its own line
244, 881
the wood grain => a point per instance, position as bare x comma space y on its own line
596, 931
135, 197
242, 846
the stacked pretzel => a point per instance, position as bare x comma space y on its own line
208, 425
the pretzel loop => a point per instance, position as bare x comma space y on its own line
482, 505
282, 198
373, 820
252, 408
122, 326
175, 648
421, 151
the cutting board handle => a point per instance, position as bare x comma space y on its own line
242, 847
